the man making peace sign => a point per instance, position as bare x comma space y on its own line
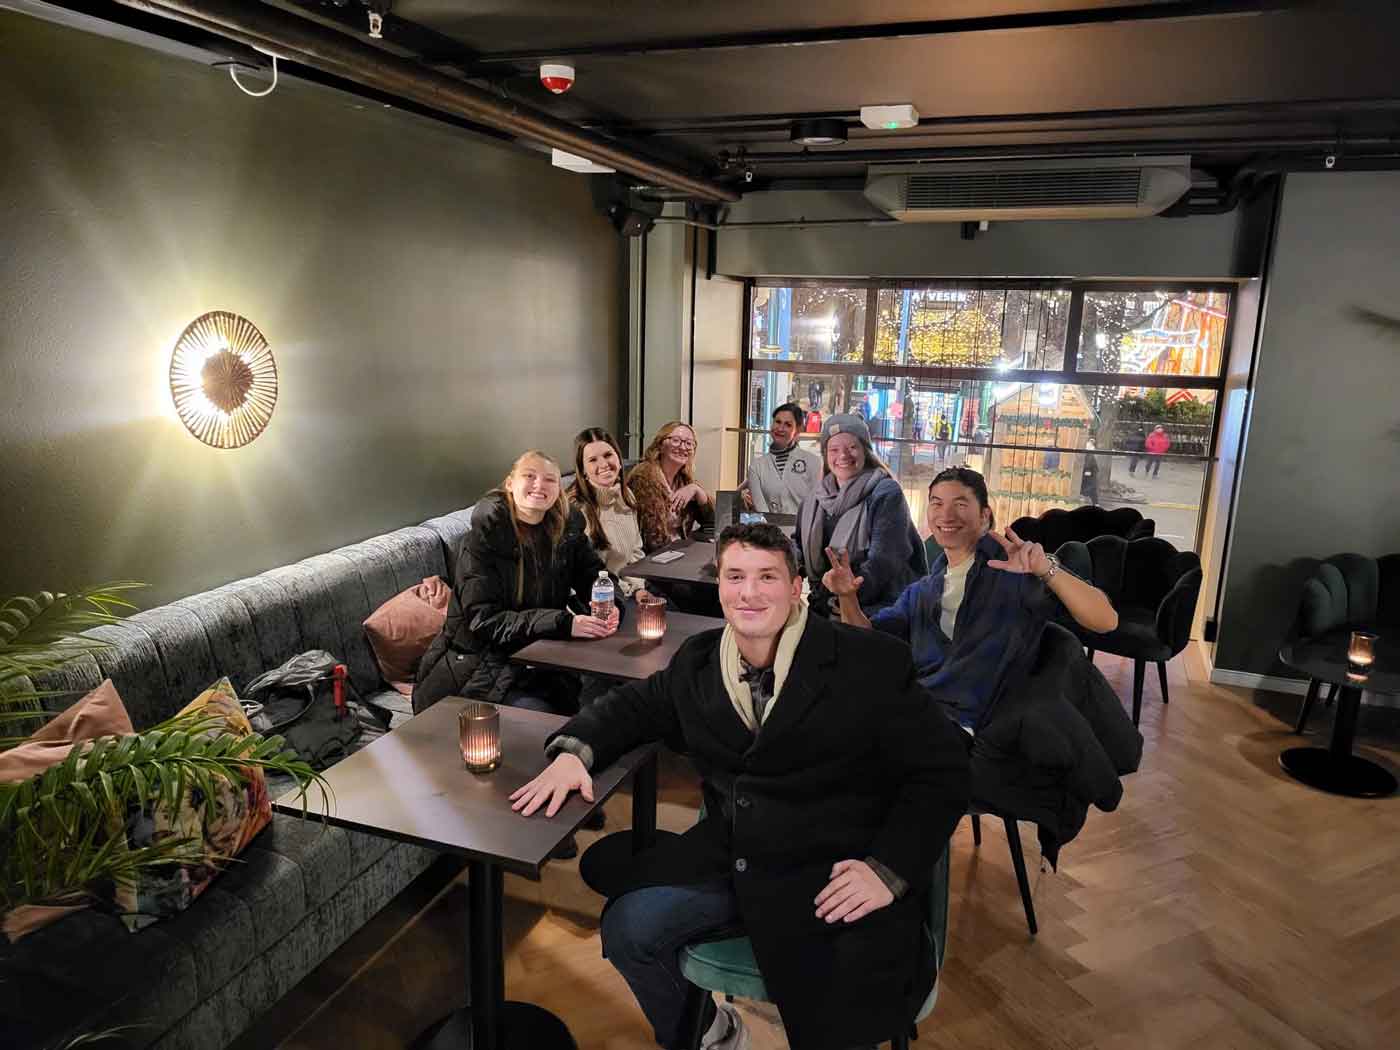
979, 613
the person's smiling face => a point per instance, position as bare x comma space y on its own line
757, 590
845, 457
955, 518
600, 464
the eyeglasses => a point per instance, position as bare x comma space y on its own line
680, 443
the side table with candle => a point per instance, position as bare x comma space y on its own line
1354, 661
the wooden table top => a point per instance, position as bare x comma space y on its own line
625, 654
694, 567
411, 785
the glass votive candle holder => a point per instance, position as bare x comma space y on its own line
479, 733
651, 617
1361, 654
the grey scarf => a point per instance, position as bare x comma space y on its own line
848, 507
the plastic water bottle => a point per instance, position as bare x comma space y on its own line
602, 596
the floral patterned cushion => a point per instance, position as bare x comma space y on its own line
239, 813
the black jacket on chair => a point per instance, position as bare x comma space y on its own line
855, 760
1056, 743
485, 624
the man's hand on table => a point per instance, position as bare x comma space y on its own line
566, 773
853, 892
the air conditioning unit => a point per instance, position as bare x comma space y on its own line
969, 191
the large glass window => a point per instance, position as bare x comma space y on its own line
806, 323
980, 375
972, 327
1162, 332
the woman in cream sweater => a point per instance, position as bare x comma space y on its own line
609, 509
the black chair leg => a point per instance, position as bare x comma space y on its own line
1314, 687
976, 829
1162, 677
696, 1023
1018, 861
1139, 671
1332, 693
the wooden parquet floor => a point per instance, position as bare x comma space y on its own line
1222, 906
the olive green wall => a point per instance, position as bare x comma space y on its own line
435, 304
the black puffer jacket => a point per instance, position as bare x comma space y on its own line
485, 624
1056, 743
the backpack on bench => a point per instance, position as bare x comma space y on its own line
307, 702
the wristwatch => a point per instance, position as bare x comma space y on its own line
1046, 576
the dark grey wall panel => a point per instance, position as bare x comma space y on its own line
1322, 449
435, 304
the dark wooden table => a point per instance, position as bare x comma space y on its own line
625, 654
412, 786
1335, 768
697, 565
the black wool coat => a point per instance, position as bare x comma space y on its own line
485, 624
855, 760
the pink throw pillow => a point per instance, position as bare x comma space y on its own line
100, 713
401, 630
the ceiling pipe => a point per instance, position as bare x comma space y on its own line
1126, 118
308, 43
1350, 145
1141, 12
774, 224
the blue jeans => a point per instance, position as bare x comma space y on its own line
643, 933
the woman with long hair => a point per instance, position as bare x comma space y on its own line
859, 508
670, 502
525, 571
608, 507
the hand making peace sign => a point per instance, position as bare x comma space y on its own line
1020, 555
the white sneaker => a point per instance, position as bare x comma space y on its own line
735, 1036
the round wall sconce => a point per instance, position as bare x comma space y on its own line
223, 379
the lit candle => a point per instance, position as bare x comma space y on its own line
1361, 654
479, 734
651, 617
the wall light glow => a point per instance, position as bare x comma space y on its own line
223, 379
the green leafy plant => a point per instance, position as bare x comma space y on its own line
64, 829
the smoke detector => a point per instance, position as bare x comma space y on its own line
887, 118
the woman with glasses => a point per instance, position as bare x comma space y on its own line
670, 503
859, 508
977, 617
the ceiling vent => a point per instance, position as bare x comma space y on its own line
968, 191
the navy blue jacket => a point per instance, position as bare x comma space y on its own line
998, 629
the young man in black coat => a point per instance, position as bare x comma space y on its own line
831, 782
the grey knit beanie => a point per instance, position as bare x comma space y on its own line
846, 423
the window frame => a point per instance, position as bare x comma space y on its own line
1068, 374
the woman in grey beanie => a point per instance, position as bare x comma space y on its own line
860, 508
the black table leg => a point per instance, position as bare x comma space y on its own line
489, 1022
607, 864
644, 805
1334, 768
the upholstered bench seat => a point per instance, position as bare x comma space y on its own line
198, 980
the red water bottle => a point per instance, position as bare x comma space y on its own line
339, 676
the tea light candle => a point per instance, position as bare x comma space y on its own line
1361, 654
651, 617
479, 734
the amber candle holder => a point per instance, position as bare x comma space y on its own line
1361, 654
651, 617
479, 732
